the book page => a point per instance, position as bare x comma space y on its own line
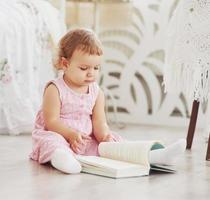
104, 163
111, 168
130, 151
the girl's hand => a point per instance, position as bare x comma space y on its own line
78, 142
108, 138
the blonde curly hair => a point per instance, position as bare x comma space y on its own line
77, 39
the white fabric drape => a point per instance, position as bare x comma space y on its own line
187, 63
29, 30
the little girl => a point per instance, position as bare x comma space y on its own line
72, 119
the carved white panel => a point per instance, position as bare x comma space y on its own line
132, 71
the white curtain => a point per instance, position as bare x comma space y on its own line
28, 34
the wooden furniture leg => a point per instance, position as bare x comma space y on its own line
192, 125
208, 150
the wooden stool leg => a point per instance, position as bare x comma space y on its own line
208, 150
192, 125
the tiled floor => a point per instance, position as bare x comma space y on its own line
21, 178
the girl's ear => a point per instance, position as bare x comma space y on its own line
64, 63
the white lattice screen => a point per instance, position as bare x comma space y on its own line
133, 65
133, 69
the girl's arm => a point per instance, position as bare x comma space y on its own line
51, 112
100, 127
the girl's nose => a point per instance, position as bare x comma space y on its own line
90, 72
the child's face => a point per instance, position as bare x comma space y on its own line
83, 68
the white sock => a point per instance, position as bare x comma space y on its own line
169, 154
64, 161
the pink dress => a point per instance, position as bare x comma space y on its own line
76, 110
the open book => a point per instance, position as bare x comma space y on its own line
122, 159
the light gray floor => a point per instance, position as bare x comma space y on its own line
21, 178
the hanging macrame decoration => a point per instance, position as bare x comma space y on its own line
187, 61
